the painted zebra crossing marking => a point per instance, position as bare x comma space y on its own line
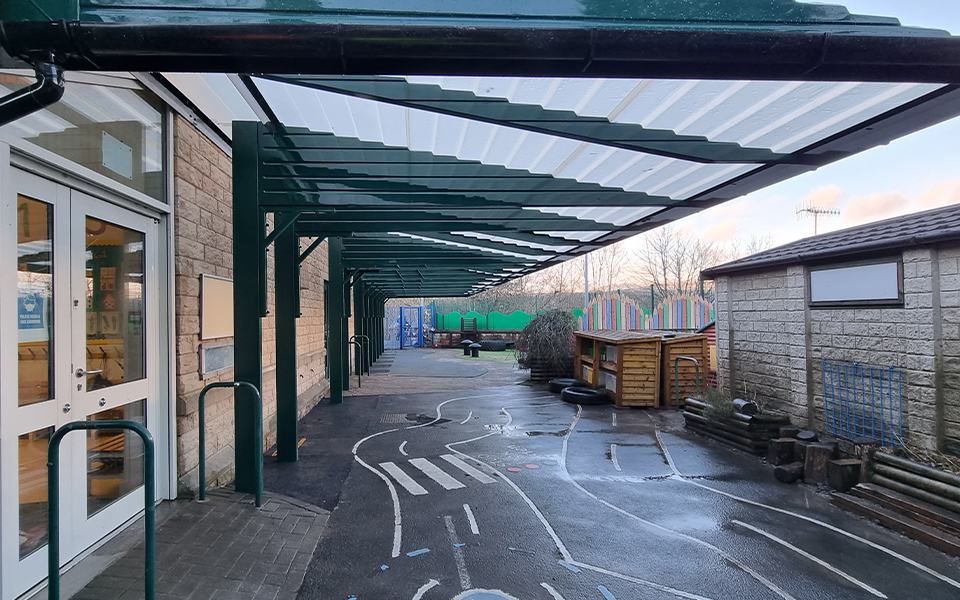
403, 479
436, 473
444, 479
475, 473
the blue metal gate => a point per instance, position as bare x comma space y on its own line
863, 402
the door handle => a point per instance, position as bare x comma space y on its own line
81, 372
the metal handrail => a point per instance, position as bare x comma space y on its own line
369, 349
676, 375
259, 435
354, 342
53, 502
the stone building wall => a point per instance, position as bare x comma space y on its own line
779, 342
204, 245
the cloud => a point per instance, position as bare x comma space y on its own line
825, 196
943, 193
876, 206
721, 232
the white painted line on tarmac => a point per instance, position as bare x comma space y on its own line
397, 523
475, 473
436, 473
613, 419
743, 566
606, 593
853, 536
556, 538
472, 519
556, 595
457, 554
425, 588
809, 556
469, 416
656, 586
613, 457
401, 448
403, 479
509, 416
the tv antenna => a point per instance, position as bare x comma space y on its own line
807, 209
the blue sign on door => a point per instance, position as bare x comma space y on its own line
29, 311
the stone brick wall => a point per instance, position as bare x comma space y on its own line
204, 245
766, 314
779, 342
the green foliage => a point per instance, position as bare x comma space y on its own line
548, 341
719, 405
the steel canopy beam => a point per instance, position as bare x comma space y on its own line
331, 42
534, 118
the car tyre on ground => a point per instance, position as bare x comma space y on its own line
584, 395
558, 385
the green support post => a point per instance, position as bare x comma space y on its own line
345, 328
249, 285
358, 326
335, 320
287, 290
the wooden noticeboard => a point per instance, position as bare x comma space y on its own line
216, 307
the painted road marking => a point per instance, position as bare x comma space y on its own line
809, 556
397, 520
613, 419
613, 456
436, 473
401, 448
606, 593
843, 532
418, 552
472, 519
476, 474
469, 416
458, 554
425, 588
556, 595
403, 479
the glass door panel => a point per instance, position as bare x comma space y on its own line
114, 282
34, 300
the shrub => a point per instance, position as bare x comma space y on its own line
547, 341
719, 405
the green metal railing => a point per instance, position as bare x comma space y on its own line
359, 346
676, 375
369, 352
53, 502
258, 411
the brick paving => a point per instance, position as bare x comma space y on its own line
223, 549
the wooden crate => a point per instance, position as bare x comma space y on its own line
683, 344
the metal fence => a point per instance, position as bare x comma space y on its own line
863, 402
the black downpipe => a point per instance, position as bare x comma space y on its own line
47, 90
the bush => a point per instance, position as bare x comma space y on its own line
547, 342
719, 405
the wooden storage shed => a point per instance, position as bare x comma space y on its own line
692, 345
632, 365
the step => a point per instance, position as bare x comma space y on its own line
911, 528
928, 514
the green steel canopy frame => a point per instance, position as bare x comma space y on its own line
401, 222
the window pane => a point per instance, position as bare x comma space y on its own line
33, 490
34, 300
114, 277
115, 130
114, 457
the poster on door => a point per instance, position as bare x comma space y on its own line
32, 323
110, 323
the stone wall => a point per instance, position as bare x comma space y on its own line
779, 342
204, 245
766, 315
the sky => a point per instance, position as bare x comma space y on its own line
914, 173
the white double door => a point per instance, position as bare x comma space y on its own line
78, 342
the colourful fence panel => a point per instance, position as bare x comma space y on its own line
617, 311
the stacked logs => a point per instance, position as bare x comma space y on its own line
744, 429
913, 479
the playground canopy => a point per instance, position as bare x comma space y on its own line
443, 147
